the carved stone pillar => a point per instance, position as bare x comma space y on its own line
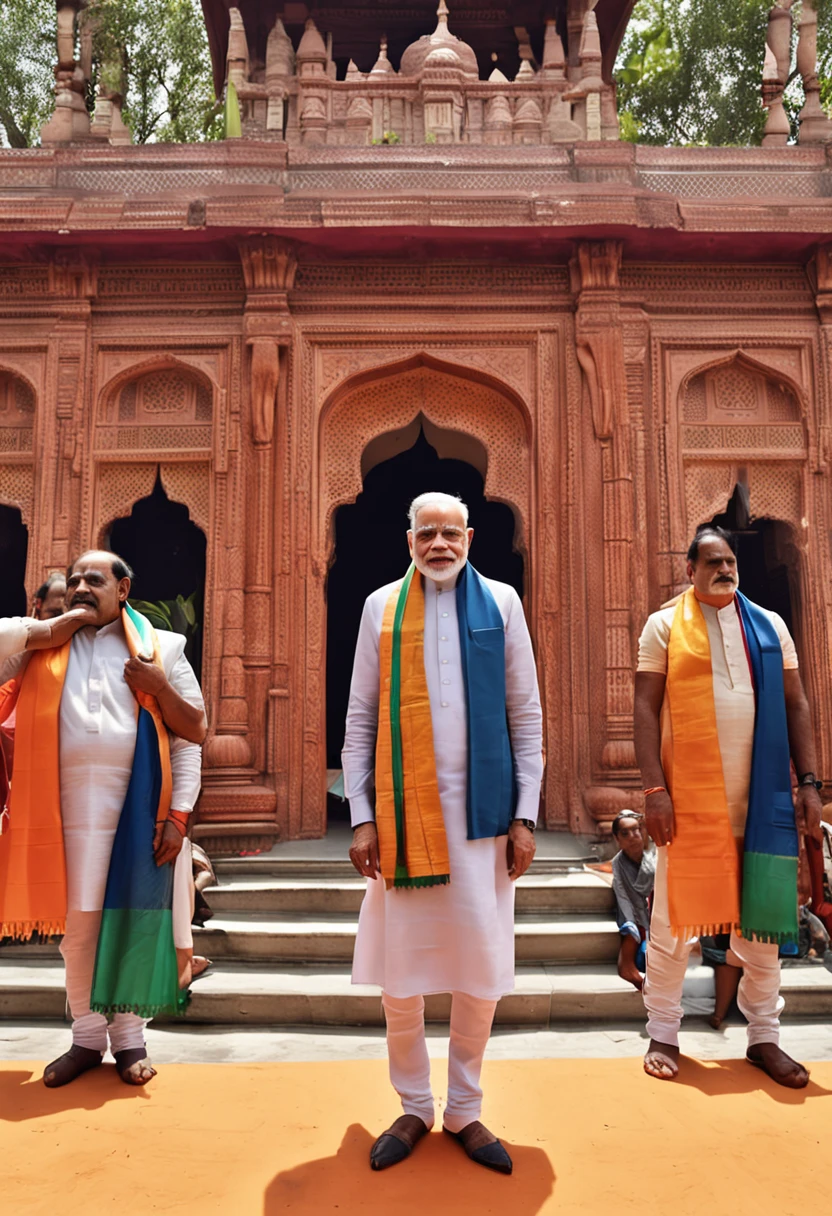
815, 126
73, 284
600, 350
269, 266
238, 806
776, 73
70, 120
818, 631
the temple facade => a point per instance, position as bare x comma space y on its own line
427, 262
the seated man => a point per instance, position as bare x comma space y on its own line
633, 873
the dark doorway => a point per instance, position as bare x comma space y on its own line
371, 550
167, 553
765, 556
14, 545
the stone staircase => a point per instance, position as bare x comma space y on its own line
282, 940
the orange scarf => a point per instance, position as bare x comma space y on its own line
426, 848
32, 863
703, 874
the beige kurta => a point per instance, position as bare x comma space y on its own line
733, 693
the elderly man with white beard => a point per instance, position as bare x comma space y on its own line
445, 722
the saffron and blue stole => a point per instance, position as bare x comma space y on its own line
136, 966
412, 844
710, 888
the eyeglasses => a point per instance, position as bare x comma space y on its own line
450, 535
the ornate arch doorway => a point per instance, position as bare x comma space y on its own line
166, 550
384, 437
14, 545
371, 550
767, 558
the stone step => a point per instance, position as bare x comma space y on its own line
257, 995
252, 936
575, 893
258, 937
273, 865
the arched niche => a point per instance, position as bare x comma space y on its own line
376, 412
160, 405
17, 413
737, 388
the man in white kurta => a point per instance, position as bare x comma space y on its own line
97, 733
712, 568
459, 937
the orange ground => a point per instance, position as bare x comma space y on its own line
256, 1140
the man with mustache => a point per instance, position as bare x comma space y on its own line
93, 706
719, 711
445, 722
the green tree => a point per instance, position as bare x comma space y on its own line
27, 78
161, 49
690, 72
154, 51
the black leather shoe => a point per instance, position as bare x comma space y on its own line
391, 1148
493, 1156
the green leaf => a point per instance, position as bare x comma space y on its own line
158, 613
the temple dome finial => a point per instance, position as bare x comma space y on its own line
413, 60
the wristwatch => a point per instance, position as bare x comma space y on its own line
527, 823
809, 779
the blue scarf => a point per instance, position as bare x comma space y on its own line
769, 886
492, 786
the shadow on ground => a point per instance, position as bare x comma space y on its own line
24, 1096
438, 1177
718, 1078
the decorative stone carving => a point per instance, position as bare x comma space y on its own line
70, 120
815, 124
237, 57
280, 56
436, 96
413, 59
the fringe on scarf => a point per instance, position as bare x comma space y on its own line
425, 880
768, 939
686, 932
147, 1011
22, 930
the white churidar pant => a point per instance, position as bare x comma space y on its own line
90, 1029
667, 959
407, 1052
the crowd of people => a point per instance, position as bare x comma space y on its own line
102, 718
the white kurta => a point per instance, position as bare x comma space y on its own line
458, 937
734, 704
97, 734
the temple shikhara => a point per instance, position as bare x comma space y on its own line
427, 261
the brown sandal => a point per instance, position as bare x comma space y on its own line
70, 1065
125, 1061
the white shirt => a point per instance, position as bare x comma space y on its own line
97, 738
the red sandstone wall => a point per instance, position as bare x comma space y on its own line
617, 404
